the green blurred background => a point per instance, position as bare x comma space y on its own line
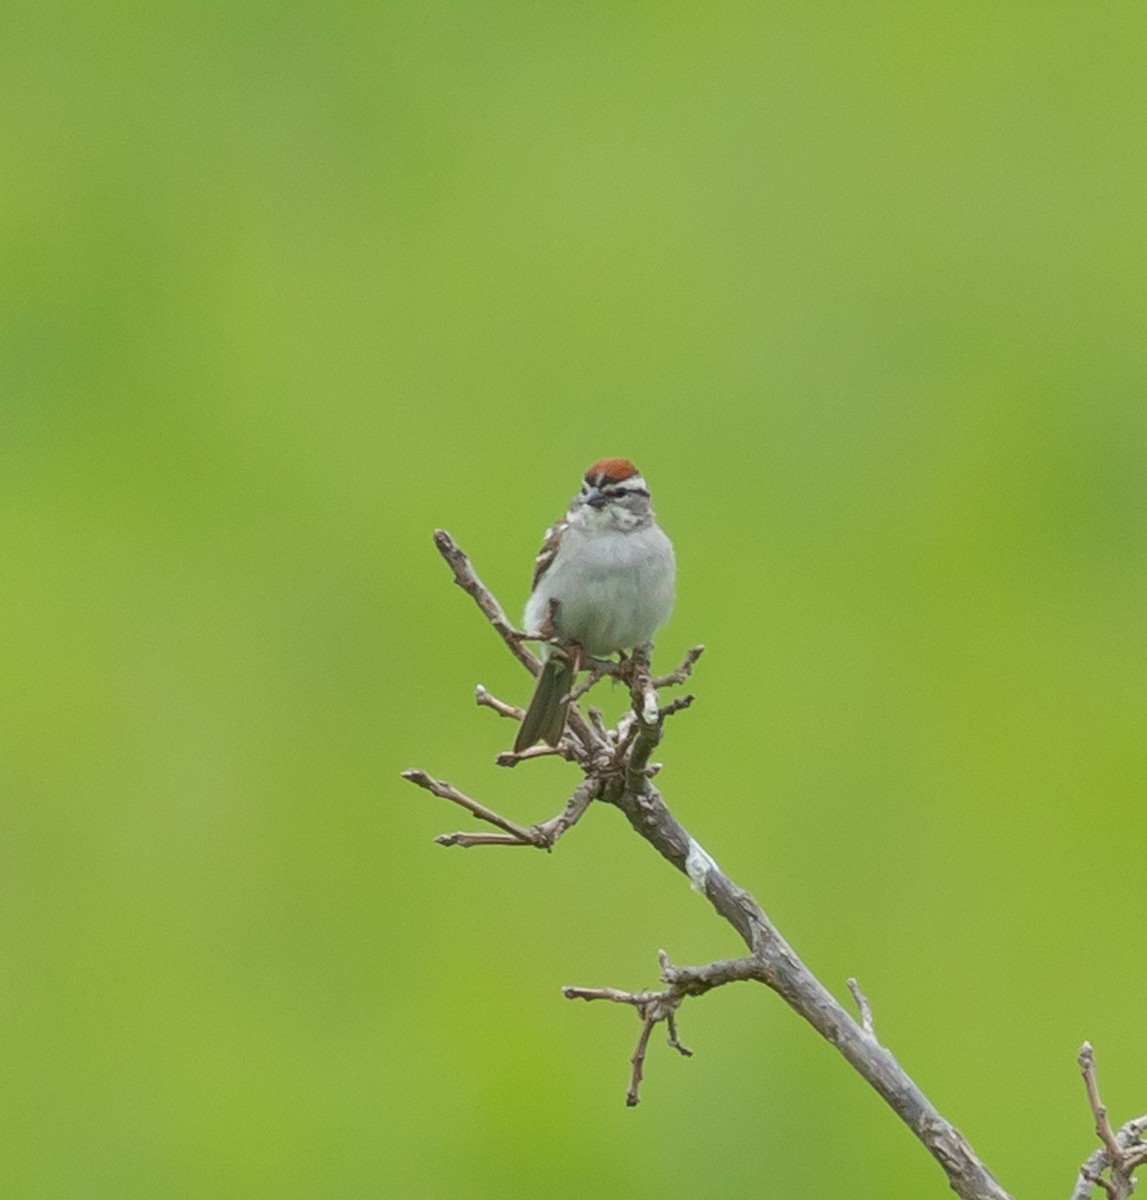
284, 288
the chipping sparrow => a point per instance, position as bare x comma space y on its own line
610, 568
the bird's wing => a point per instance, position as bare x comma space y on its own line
549, 551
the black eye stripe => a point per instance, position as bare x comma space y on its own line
614, 491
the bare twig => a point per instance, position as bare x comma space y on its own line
466, 578
598, 723
542, 836
1098, 1109
597, 672
696, 981
862, 1007
511, 758
1105, 1184
1119, 1154
615, 995
440, 787
655, 1007
675, 706
632, 1095
647, 722
671, 1025
549, 831
651, 1008
682, 672
485, 699
466, 840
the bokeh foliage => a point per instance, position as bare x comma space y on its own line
284, 287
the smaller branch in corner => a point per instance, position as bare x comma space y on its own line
1120, 1152
1098, 1109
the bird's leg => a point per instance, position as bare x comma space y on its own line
624, 667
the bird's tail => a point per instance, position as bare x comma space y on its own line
545, 719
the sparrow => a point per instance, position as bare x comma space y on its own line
611, 569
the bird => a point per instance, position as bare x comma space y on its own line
611, 569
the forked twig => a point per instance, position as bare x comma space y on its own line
682, 672
542, 836
447, 791
655, 1007
1120, 1153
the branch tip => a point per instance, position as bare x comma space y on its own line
1120, 1153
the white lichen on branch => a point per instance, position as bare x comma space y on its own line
699, 865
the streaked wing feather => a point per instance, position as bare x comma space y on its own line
548, 552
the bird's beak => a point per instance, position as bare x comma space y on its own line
596, 498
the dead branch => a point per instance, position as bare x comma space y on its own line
485, 699
1108, 1168
655, 1007
617, 768
683, 671
541, 836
